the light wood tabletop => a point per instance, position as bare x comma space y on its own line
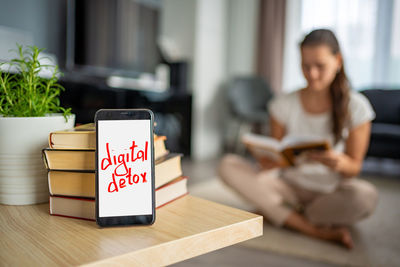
186, 228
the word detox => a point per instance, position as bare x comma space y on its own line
120, 164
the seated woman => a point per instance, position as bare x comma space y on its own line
328, 109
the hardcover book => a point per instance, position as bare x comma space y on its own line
73, 184
68, 159
285, 151
79, 208
80, 137
168, 168
83, 208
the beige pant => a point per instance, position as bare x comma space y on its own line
353, 200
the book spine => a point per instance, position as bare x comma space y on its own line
50, 142
44, 157
48, 182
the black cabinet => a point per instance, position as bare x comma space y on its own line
172, 109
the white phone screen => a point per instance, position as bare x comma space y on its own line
124, 168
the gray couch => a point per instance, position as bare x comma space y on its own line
385, 132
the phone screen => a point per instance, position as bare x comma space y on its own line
125, 190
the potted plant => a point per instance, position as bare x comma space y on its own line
29, 110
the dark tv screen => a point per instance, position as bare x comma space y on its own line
114, 36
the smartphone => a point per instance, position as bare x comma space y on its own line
124, 167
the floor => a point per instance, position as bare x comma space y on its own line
241, 256
259, 254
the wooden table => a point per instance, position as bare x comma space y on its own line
186, 228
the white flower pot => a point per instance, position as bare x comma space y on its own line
23, 176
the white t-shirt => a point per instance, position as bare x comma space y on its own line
288, 110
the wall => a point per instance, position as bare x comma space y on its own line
242, 37
219, 39
177, 26
43, 20
208, 76
292, 76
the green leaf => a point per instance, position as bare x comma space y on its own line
25, 93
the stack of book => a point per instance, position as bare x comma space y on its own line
70, 161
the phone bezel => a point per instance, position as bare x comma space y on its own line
125, 114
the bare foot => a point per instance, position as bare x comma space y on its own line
341, 235
300, 223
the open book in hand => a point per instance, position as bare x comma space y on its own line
286, 151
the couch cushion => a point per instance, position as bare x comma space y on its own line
386, 104
385, 130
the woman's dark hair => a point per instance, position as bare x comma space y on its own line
340, 87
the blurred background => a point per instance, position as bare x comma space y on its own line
207, 69
180, 57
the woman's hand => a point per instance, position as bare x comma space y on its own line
330, 158
349, 162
